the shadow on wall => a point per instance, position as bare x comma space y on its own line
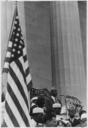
38, 42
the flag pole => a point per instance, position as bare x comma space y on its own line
3, 73
13, 20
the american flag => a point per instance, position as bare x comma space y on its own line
19, 82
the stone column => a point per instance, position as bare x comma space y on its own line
58, 78
69, 70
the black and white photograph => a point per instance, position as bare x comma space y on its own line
43, 63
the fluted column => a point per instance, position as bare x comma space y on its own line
69, 57
58, 78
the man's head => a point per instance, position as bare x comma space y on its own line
54, 92
41, 101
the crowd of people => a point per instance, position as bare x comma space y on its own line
46, 109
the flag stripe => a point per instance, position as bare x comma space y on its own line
25, 58
26, 65
24, 52
28, 78
17, 92
27, 71
12, 117
19, 65
6, 65
18, 85
7, 60
29, 86
5, 70
14, 98
15, 111
20, 79
8, 120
